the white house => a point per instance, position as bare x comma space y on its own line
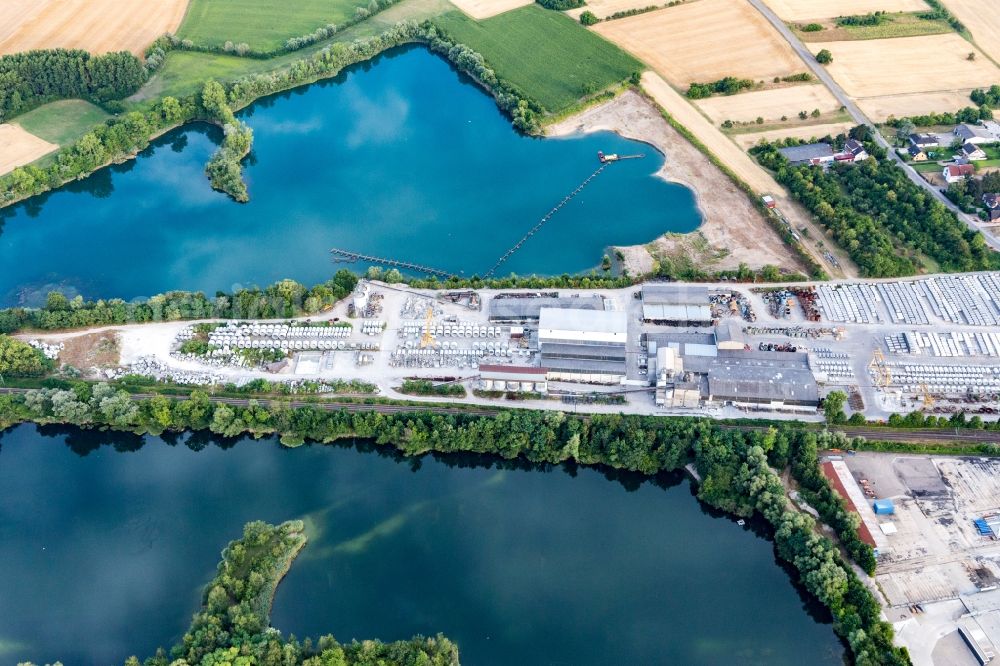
972, 152
974, 134
956, 172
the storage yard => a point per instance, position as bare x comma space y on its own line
893, 346
936, 522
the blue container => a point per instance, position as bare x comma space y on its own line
884, 507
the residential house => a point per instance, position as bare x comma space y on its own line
956, 172
972, 152
814, 154
974, 134
992, 202
854, 151
924, 141
917, 154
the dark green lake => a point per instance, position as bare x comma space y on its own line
402, 157
106, 540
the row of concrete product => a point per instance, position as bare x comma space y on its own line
232, 333
372, 326
453, 330
835, 370
826, 352
947, 379
903, 303
500, 385
952, 344
965, 299
972, 300
857, 303
438, 358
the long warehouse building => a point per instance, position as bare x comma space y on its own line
583, 345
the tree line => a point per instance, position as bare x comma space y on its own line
280, 300
32, 78
966, 114
728, 85
737, 468
880, 217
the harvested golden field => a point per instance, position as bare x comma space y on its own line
880, 67
746, 141
705, 41
18, 147
799, 10
982, 18
880, 107
97, 26
480, 9
768, 104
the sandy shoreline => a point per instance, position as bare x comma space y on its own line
732, 231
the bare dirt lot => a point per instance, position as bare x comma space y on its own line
798, 10
92, 350
982, 18
704, 41
799, 132
97, 26
881, 67
732, 230
768, 104
18, 147
743, 166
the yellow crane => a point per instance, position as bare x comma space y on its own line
925, 393
881, 375
427, 339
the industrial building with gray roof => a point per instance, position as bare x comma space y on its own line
525, 309
764, 378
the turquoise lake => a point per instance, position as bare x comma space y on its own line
402, 157
107, 539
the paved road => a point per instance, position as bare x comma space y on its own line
860, 118
956, 435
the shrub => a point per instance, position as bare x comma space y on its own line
589, 18
824, 57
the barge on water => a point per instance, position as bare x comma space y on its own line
605, 158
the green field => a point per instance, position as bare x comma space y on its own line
185, 72
549, 56
62, 122
263, 24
